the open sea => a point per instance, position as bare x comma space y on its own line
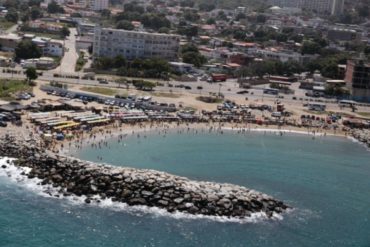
326, 180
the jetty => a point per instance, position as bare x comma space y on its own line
150, 188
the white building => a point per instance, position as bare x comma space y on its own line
50, 47
284, 55
132, 44
333, 7
98, 5
54, 48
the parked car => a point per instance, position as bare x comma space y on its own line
243, 92
3, 124
103, 81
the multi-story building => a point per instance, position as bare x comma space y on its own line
358, 79
284, 55
342, 34
8, 42
333, 7
49, 47
132, 44
98, 5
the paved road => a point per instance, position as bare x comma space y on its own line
228, 88
68, 62
12, 29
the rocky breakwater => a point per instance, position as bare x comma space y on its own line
362, 135
138, 187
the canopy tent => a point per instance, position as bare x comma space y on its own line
99, 121
73, 124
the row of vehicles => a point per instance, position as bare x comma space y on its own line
6, 117
25, 96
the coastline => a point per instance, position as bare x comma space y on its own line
102, 135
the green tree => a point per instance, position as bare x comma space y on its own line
164, 30
12, 16
31, 74
119, 61
133, 7
221, 15
189, 31
187, 3
194, 58
34, 3
105, 13
126, 25
11, 4
206, 7
143, 85
211, 21
310, 47
26, 49
54, 8
76, 15
25, 17
65, 31
35, 13
240, 16
189, 48
155, 21
191, 15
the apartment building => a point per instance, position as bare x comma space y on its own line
333, 7
98, 5
132, 44
358, 79
283, 55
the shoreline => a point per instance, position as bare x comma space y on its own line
103, 135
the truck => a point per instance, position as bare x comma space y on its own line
89, 76
218, 77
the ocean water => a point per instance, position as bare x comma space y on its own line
326, 180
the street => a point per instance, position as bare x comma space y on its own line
68, 62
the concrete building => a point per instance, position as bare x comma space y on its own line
8, 42
131, 44
84, 42
284, 55
98, 5
358, 79
343, 34
49, 47
84, 28
333, 7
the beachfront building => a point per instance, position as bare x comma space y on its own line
110, 42
358, 79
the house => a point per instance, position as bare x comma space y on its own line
49, 47
84, 42
8, 42
54, 48
181, 67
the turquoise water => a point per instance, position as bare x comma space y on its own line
326, 180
